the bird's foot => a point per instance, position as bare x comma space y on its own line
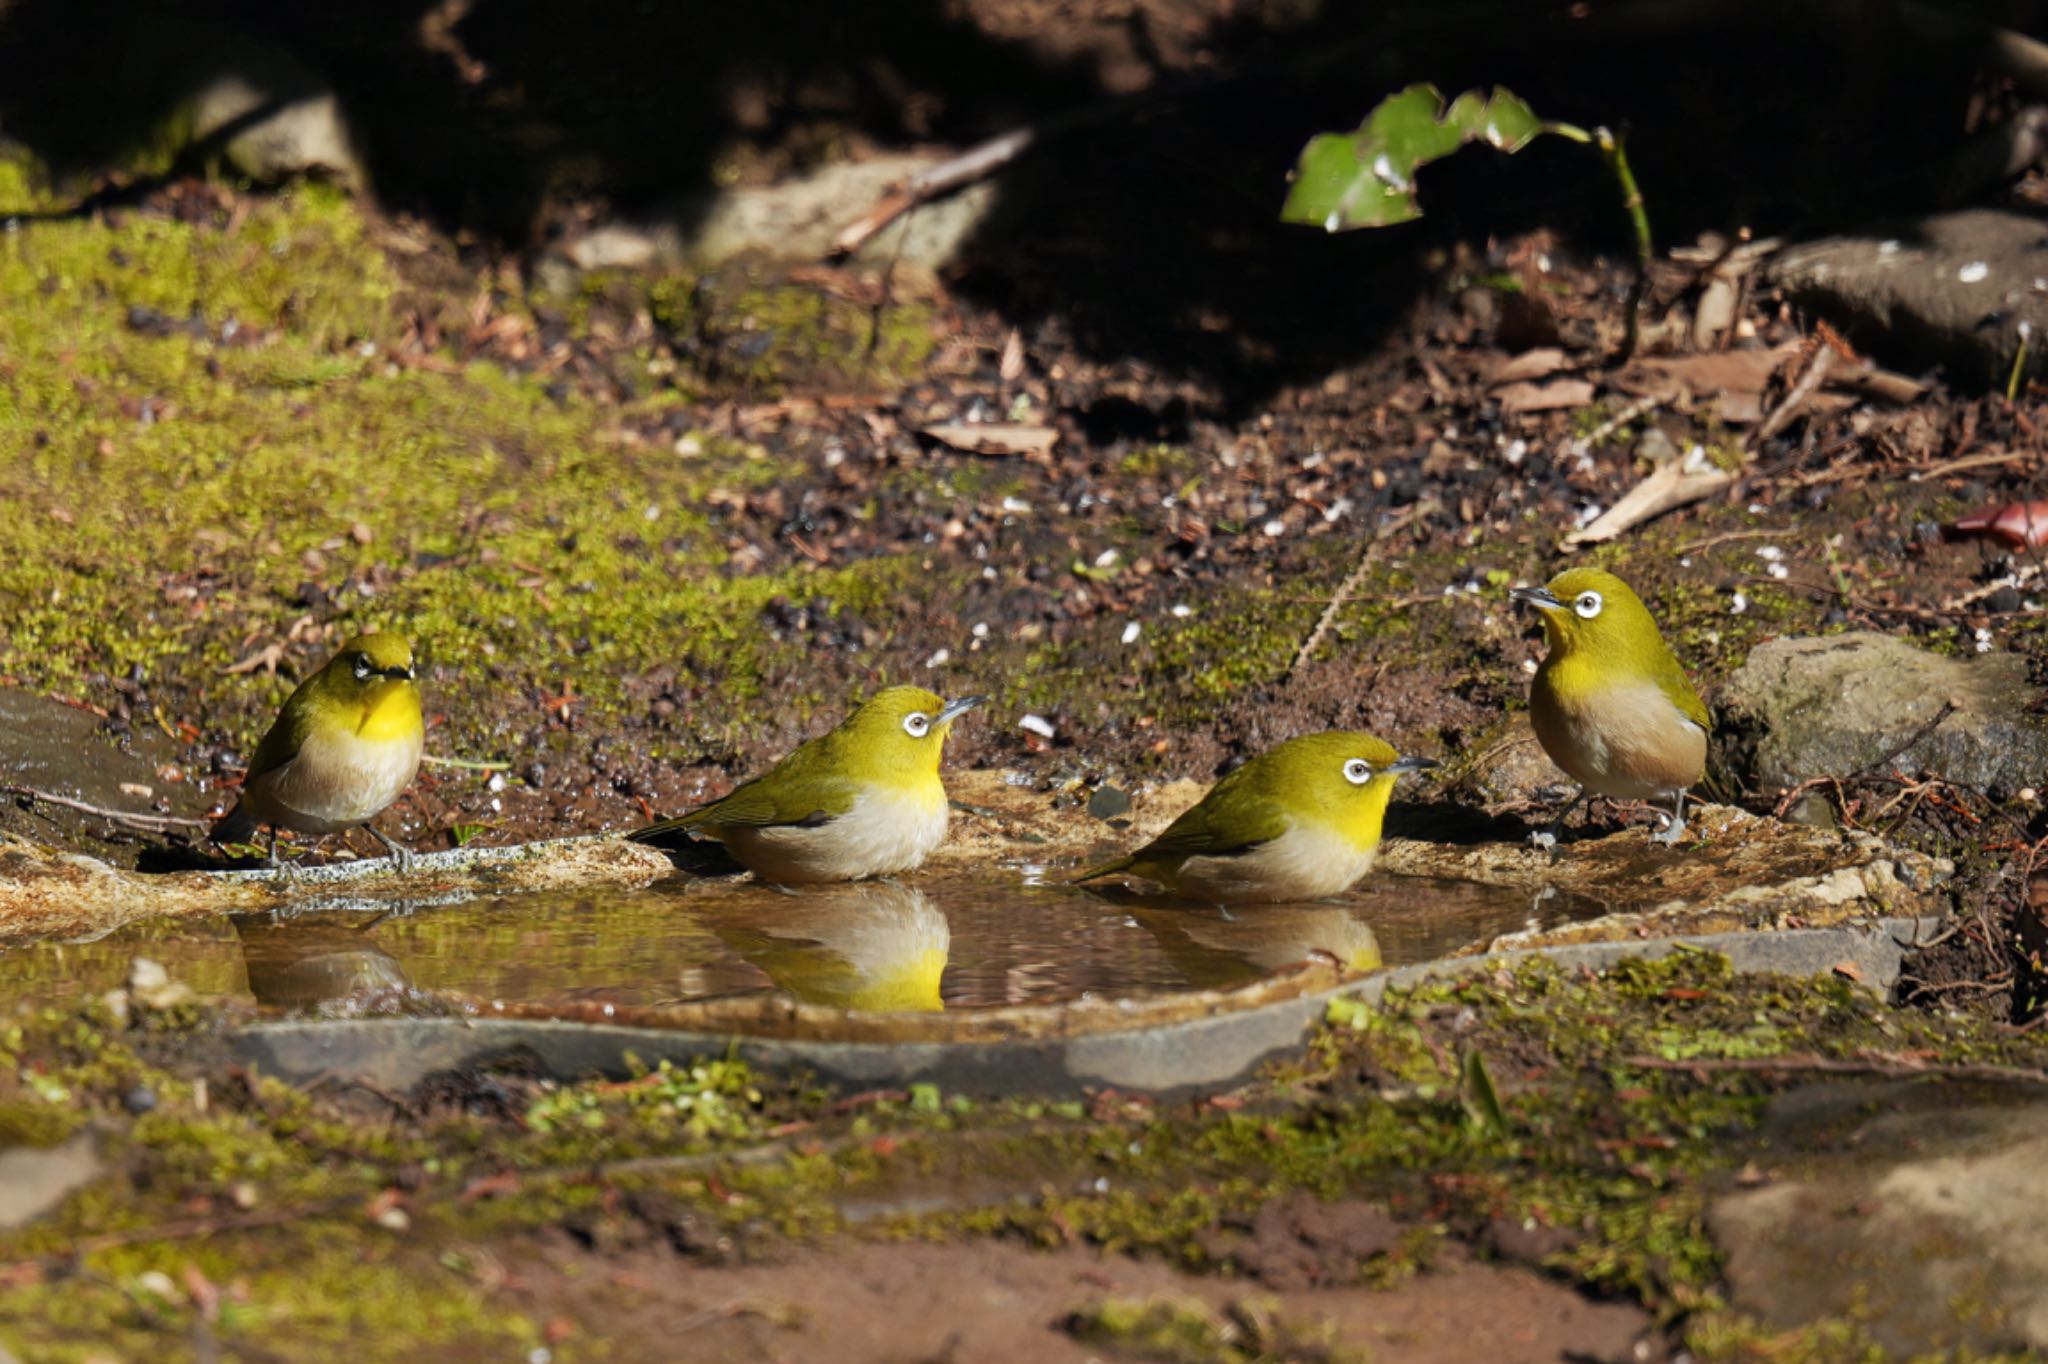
1670, 834
401, 856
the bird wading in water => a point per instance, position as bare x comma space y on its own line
1298, 822
345, 745
863, 800
1610, 704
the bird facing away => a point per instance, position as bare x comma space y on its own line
1610, 705
346, 745
863, 800
1298, 822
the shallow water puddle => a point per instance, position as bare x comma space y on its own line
953, 943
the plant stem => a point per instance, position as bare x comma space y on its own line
1616, 156
2019, 368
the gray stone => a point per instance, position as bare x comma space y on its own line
1954, 288
34, 1179
1844, 704
796, 218
304, 132
1923, 1222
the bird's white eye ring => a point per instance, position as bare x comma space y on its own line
917, 724
1358, 771
363, 669
1587, 604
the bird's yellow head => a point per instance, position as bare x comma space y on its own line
899, 732
369, 686
1590, 612
1341, 777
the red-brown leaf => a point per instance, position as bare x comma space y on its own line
2020, 525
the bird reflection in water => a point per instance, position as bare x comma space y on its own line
1216, 950
317, 961
875, 945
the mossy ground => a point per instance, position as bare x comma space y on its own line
273, 1223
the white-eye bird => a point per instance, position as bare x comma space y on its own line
863, 800
1298, 822
1219, 950
345, 745
880, 945
1610, 704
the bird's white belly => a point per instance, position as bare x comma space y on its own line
1631, 744
1305, 863
336, 781
886, 831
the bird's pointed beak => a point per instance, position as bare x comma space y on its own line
960, 706
399, 674
1409, 765
1539, 597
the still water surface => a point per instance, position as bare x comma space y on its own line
952, 943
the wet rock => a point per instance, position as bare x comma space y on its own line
279, 120
1954, 289
60, 749
1513, 770
1845, 704
46, 893
33, 1180
1920, 1222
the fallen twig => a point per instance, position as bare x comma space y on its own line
1396, 522
973, 164
1803, 388
1948, 708
148, 823
1583, 446
1956, 466
466, 764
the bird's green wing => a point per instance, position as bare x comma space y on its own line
1671, 680
286, 737
1232, 818
806, 789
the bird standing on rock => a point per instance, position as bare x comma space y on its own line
345, 745
864, 800
1610, 704
1300, 821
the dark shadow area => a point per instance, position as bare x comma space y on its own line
1148, 232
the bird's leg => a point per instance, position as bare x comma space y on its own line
1548, 838
1675, 830
401, 856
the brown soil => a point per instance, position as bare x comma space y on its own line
992, 1303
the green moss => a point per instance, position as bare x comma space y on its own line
182, 495
1189, 1331
1584, 1138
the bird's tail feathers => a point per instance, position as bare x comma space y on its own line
1106, 869
668, 833
236, 826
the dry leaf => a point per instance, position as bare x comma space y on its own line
994, 438
2017, 525
1012, 363
1560, 393
1540, 363
266, 658
1675, 484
